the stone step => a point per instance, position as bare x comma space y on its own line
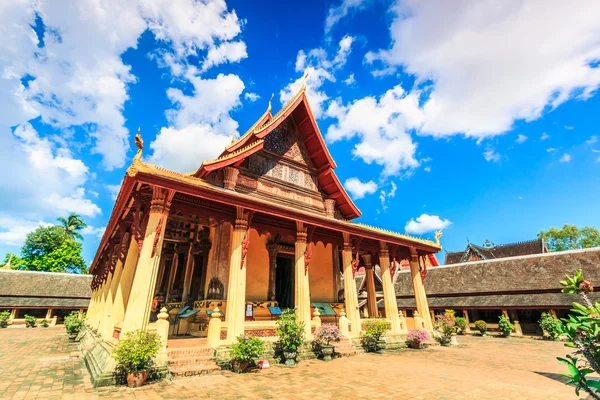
186, 352
194, 370
190, 360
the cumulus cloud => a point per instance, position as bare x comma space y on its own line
13, 230
201, 118
426, 223
490, 63
544, 136
113, 191
251, 97
592, 140
359, 189
336, 13
382, 127
521, 139
565, 158
491, 155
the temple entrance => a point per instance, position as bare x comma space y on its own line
284, 282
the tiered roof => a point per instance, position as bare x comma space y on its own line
491, 252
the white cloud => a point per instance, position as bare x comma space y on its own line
93, 231
381, 126
491, 155
224, 53
544, 136
427, 169
565, 158
426, 223
490, 63
200, 118
251, 97
520, 197
385, 195
359, 189
13, 230
592, 140
335, 14
76, 202
320, 69
551, 150
569, 128
113, 190
521, 139
350, 80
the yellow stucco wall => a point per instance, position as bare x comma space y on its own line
321, 274
257, 268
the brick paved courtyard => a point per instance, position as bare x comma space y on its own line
35, 363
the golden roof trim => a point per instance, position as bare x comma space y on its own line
235, 153
396, 234
284, 109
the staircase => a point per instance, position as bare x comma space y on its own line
345, 348
192, 361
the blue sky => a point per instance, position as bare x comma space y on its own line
481, 120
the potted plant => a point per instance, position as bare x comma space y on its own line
135, 355
324, 336
461, 325
73, 324
505, 326
481, 326
44, 323
372, 340
291, 336
416, 338
29, 321
444, 328
4, 317
246, 352
550, 326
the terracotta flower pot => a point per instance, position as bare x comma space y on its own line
240, 366
416, 345
290, 358
327, 351
136, 379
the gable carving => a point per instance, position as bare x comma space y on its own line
284, 141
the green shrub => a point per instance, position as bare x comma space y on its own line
136, 351
504, 325
4, 317
73, 324
481, 326
550, 324
460, 323
247, 348
44, 323
290, 331
30, 321
374, 330
444, 327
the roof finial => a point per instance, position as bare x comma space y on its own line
304, 81
270, 100
232, 139
139, 143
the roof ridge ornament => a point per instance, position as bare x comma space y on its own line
303, 88
137, 159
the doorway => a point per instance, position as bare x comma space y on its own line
284, 282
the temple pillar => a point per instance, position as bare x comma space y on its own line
467, 322
108, 323
420, 296
187, 278
218, 259
371, 294
172, 275
272, 273
205, 248
161, 274
335, 253
48, 315
302, 292
100, 316
350, 295
124, 285
137, 314
90, 308
389, 292
236, 288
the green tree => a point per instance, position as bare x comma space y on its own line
51, 249
15, 261
72, 225
570, 237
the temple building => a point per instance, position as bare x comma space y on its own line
44, 295
265, 226
520, 281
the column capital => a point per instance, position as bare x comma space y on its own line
242, 218
383, 250
161, 200
301, 232
367, 260
230, 175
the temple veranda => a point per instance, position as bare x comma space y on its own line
264, 227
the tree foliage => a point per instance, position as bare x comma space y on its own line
72, 225
570, 237
42, 241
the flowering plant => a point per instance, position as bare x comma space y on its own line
417, 337
247, 348
326, 334
481, 326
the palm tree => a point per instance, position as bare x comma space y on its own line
72, 224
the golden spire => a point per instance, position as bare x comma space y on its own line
270, 100
139, 143
232, 139
303, 88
